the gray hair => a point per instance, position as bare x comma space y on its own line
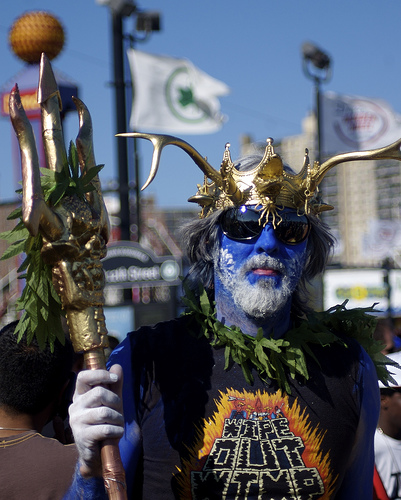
200, 239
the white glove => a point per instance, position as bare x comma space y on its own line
96, 415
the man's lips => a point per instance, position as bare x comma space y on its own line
265, 272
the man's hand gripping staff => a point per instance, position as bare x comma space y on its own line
74, 231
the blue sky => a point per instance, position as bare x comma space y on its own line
254, 47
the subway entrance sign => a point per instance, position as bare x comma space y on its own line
141, 282
127, 264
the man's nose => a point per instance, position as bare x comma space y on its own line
267, 241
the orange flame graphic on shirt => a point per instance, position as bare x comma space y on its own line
257, 406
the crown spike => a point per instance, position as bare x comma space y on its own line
227, 169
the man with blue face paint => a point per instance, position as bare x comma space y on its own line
254, 280
249, 394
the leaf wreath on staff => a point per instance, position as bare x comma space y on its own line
39, 301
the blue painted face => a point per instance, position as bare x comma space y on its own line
259, 275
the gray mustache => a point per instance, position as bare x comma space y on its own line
263, 261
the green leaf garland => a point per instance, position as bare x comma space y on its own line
274, 358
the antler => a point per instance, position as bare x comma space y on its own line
391, 152
160, 141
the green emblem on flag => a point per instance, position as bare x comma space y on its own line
180, 98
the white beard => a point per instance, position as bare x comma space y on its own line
266, 297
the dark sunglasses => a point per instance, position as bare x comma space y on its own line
244, 223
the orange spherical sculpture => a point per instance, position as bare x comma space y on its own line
36, 32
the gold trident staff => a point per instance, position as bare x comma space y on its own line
74, 229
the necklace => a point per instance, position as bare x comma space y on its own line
15, 429
274, 358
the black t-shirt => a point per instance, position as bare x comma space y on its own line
207, 434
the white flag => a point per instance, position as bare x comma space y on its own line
383, 239
351, 123
172, 95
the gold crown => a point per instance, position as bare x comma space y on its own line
267, 185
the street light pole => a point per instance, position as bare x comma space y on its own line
318, 119
121, 124
146, 23
316, 66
